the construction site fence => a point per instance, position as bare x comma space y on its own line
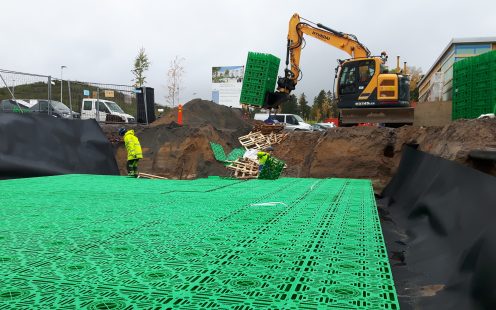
22, 92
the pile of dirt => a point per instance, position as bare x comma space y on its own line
183, 152
374, 153
197, 113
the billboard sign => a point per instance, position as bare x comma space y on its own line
226, 85
109, 93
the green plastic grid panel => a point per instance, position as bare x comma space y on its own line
218, 151
108, 242
474, 86
260, 77
220, 155
236, 154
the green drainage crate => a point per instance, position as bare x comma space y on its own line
474, 86
272, 169
260, 77
110, 242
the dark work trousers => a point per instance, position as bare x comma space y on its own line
132, 167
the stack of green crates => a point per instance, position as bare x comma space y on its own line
260, 77
474, 86
272, 169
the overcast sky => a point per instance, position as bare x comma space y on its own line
98, 39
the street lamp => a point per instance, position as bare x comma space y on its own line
61, 80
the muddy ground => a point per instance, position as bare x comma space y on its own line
374, 153
355, 152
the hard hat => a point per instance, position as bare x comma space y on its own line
122, 131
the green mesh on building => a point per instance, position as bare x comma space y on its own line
109, 242
474, 86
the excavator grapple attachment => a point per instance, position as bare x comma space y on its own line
274, 99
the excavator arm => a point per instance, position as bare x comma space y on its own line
345, 42
297, 29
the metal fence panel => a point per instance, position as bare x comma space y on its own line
28, 93
103, 102
20, 92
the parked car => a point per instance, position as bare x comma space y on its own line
107, 111
322, 126
16, 106
316, 127
292, 121
326, 125
57, 109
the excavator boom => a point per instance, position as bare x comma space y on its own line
365, 90
345, 42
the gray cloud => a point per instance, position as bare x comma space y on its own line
98, 39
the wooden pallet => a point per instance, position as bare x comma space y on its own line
267, 128
244, 168
259, 141
254, 140
150, 176
276, 138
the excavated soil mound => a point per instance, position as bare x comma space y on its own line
183, 152
354, 152
199, 112
180, 152
374, 153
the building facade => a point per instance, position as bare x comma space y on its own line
437, 83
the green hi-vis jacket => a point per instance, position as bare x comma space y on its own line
262, 157
133, 146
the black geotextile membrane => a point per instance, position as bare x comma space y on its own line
439, 223
33, 144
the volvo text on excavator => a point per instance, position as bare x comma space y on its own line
366, 92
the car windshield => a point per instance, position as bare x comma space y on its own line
113, 107
299, 119
60, 106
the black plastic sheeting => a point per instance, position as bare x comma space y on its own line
439, 223
34, 145
146, 110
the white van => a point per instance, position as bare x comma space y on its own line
292, 121
107, 111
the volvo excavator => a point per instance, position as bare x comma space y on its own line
366, 92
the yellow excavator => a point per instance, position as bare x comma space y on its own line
366, 92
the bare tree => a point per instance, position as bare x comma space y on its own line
174, 83
141, 64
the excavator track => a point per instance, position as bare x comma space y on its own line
377, 115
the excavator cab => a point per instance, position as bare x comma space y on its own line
356, 81
368, 93
362, 83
